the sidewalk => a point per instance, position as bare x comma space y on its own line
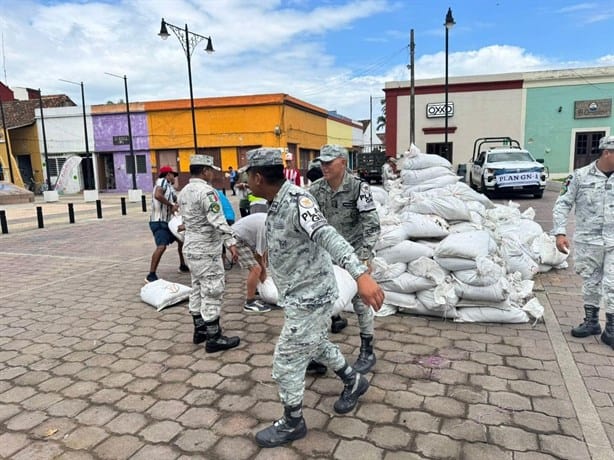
88, 371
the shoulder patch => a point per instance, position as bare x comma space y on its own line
309, 215
565, 185
214, 208
306, 202
213, 198
365, 200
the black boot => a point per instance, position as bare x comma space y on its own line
608, 333
315, 367
288, 428
337, 324
355, 386
591, 325
200, 334
366, 358
215, 340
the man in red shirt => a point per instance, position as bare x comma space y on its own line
290, 172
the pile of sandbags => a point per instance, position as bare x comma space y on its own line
446, 250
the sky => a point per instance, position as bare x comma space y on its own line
336, 54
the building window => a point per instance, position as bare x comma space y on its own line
439, 148
55, 165
141, 164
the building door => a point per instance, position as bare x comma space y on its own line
87, 169
586, 148
24, 163
439, 148
106, 171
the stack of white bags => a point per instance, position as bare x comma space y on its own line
448, 251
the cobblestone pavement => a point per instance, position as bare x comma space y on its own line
88, 371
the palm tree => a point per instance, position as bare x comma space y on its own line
381, 120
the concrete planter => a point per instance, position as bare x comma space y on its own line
51, 196
90, 195
134, 195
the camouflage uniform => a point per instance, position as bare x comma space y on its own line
351, 211
592, 194
301, 244
206, 230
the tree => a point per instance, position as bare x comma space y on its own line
381, 120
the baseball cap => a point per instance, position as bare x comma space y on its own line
329, 152
264, 156
203, 160
289, 156
606, 142
166, 170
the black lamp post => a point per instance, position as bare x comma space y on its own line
448, 24
87, 145
188, 41
132, 157
46, 152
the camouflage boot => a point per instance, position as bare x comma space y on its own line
215, 340
355, 386
200, 334
288, 428
608, 334
591, 325
366, 358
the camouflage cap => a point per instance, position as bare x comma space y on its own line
203, 160
606, 142
329, 152
264, 156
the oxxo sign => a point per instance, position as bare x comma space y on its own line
438, 110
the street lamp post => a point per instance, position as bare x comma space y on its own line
448, 24
87, 145
132, 157
188, 41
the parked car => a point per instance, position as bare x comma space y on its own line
506, 167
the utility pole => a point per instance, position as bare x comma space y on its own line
371, 123
412, 91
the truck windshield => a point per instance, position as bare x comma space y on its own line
509, 156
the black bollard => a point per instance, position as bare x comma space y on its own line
143, 203
39, 216
3, 224
71, 213
123, 205
99, 209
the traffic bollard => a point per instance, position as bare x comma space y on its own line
71, 213
123, 205
3, 224
39, 216
143, 203
99, 209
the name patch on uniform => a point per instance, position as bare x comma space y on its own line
310, 216
365, 200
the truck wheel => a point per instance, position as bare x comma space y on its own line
539, 194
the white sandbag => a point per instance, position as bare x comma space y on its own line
268, 291
386, 310
461, 227
436, 182
534, 308
161, 293
448, 207
520, 290
545, 251
382, 271
379, 195
347, 290
488, 270
453, 264
173, 226
424, 226
439, 298
408, 283
500, 213
496, 292
405, 251
476, 206
526, 230
427, 268
467, 245
408, 303
417, 176
490, 315
391, 236
425, 160
466, 193
503, 305
517, 259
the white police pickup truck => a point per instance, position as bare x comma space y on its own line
506, 167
